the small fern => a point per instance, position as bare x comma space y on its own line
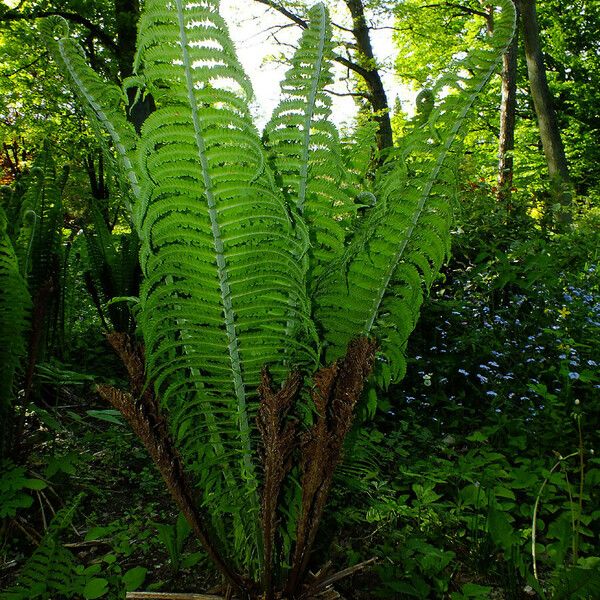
39, 240
111, 270
51, 571
39, 246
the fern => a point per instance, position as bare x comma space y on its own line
397, 250
218, 250
111, 270
246, 253
51, 571
40, 250
39, 242
15, 307
304, 144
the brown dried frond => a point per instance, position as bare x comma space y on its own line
336, 391
278, 434
132, 356
141, 410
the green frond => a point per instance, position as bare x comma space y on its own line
219, 251
15, 307
103, 102
52, 570
304, 145
396, 252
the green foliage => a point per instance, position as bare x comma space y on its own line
52, 571
174, 537
429, 38
111, 271
247, 253
15, 306
13, 489
399, 247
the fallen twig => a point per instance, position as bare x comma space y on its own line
169, 596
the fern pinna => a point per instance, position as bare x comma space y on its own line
15, 312
256, 265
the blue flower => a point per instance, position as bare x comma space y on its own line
573, 375
481, 378
491, 393
463, 372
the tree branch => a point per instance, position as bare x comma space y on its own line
353, 94
285, 12
101, 35
24, 67
464, 9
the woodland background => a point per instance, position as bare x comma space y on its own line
490, 437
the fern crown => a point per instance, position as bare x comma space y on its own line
252, 251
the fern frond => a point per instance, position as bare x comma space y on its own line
15, 307
51, 571
219, 251
112, 269
396, 252
103, 102
304, 145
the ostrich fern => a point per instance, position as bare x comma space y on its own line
15, 309
258, 272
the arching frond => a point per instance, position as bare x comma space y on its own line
103, 102
15, 307
304, 145
396, 252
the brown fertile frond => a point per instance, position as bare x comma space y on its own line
141, 410
278, 434
336, 391
132, 356
354, 370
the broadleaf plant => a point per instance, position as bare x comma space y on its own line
266, 293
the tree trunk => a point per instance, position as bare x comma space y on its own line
127, 14
508, 110
542, 101
377, 94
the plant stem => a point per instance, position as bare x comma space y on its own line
535, 510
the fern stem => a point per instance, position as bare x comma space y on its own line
248, 473
310, 110
106, 122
